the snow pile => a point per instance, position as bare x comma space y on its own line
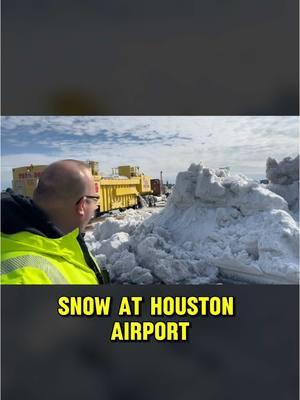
283, 173
284, 180
214, 225
110, 244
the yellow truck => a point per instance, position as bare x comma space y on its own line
123, 189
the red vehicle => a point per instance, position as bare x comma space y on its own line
155, 187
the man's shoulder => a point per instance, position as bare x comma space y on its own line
10, 199
16, 212
6, 194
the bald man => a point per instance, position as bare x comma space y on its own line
42, 241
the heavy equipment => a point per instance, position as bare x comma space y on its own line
126, 187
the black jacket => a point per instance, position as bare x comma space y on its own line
19, 214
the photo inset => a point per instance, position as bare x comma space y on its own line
150, 200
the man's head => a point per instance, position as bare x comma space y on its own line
66, 193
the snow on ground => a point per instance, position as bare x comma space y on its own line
214, 226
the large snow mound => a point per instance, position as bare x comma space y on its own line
285, 172
214, 225
284, 180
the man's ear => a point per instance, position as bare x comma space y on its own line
80, 207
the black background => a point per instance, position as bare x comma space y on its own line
251, 356
150, 58
168, 57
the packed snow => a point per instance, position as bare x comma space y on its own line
284, 180
215, 227
285, 172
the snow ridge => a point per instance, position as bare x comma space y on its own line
215, 225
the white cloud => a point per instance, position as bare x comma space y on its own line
243, 143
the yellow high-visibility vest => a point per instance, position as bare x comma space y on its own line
27, 258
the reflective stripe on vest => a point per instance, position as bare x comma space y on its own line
38, 262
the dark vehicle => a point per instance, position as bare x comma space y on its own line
155, 187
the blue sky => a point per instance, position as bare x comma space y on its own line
168, 144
